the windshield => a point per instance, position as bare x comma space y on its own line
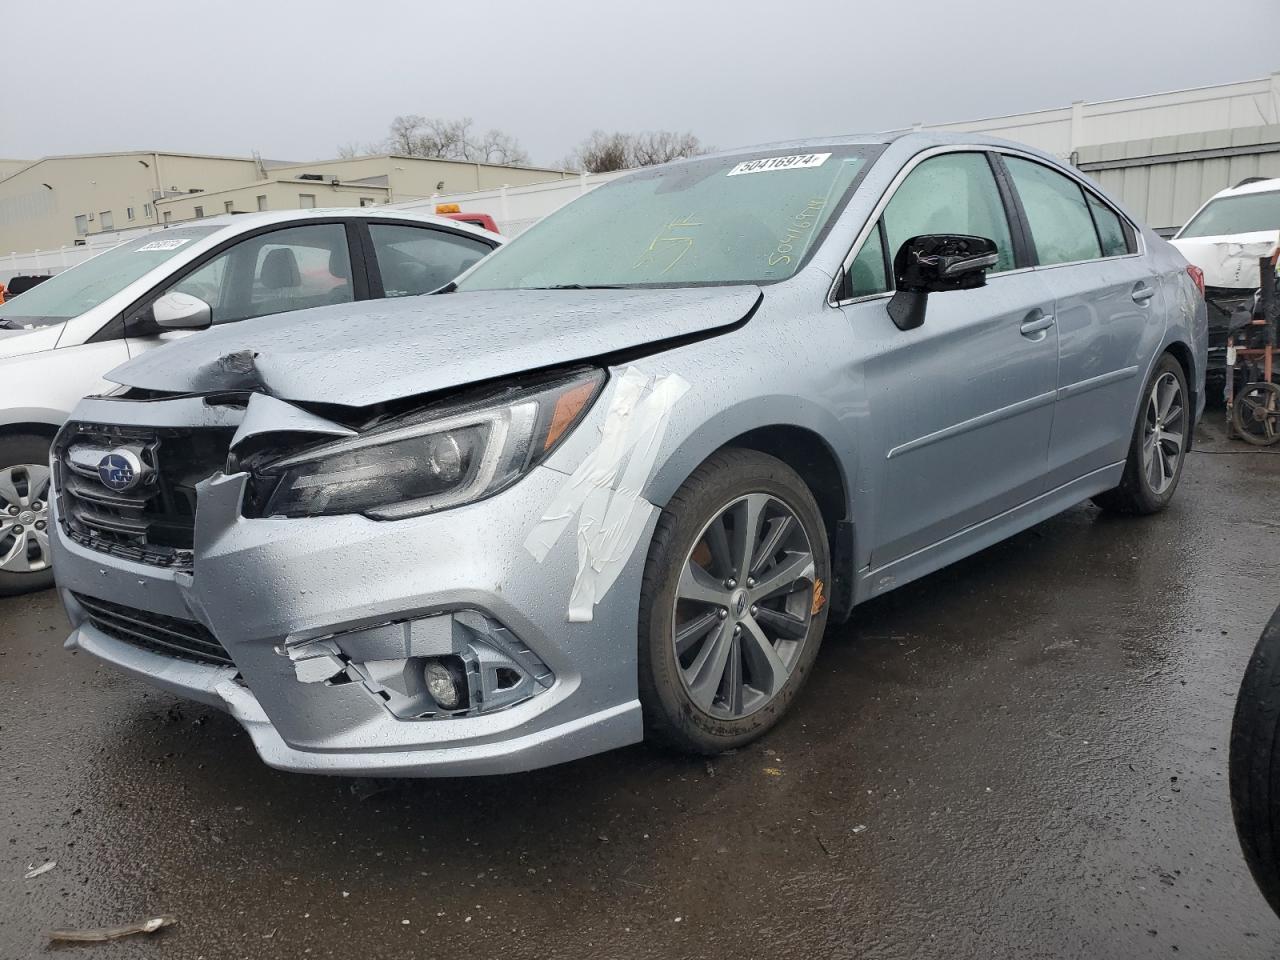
72, 292
1245, 213
739, 219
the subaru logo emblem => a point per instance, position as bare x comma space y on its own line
120, 470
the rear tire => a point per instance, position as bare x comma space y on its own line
1153, 466
24, 484
1255, 763
730, 623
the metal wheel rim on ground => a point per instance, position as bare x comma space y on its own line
743, 606
1164, 432
24, 518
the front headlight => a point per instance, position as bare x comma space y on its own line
429, 460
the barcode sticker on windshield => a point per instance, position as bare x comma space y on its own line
798, 161
163, 244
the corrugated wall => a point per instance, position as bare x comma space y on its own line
1164, 180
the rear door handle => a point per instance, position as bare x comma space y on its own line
1036, 324
1142, 293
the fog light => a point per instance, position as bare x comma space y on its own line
444, 686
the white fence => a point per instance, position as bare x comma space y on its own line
49, 262
515, 209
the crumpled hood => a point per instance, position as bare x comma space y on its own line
20, 343
380, 350
1229, 261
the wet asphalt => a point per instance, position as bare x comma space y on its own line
1024, 755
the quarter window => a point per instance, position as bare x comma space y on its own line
1110, 230
415, 260
867, 273
1057, 213
950, 193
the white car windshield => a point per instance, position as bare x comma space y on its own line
84, 286
1243, 213
719, 220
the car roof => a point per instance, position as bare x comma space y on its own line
234, 223
922, 139
1256, 186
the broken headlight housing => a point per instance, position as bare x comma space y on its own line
429, 460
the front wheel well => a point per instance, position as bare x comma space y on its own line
47, 430
808, 455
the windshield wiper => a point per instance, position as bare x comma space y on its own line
581, 286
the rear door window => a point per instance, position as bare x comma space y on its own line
1057, 213
950, 193
301, 267
414, 260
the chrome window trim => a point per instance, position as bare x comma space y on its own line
878, 210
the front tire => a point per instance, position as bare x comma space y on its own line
1255, 763
1158, 447
733, 603
24, 515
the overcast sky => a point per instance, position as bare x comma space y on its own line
294, 80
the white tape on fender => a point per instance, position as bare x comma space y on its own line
604, 492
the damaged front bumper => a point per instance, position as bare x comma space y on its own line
312, 633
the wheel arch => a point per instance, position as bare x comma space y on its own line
40, 428
800, 441
1181, 351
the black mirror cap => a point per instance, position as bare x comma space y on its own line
935, 262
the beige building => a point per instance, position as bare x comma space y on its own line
59, 201
360, 181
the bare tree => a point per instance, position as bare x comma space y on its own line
414, 135
602, 152
498, 147
349, 150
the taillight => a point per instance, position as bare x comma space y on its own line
1197, 277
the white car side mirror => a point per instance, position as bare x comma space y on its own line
181, 311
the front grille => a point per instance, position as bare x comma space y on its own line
154, 522
156, 632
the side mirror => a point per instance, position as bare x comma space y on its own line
181, 311
933, 263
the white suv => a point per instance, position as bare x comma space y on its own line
1225, 238
60, 338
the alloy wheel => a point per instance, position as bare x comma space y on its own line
1164, 433
24, 518
743, 606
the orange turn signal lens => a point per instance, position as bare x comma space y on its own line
448, 208
568, 406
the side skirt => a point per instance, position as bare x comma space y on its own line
872, 583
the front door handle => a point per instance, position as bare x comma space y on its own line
1142, 293
1036, 324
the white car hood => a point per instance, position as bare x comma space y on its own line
19, 343
1229, 261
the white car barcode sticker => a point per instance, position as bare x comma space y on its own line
163, 244
797, 161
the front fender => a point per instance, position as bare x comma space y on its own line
693, 437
